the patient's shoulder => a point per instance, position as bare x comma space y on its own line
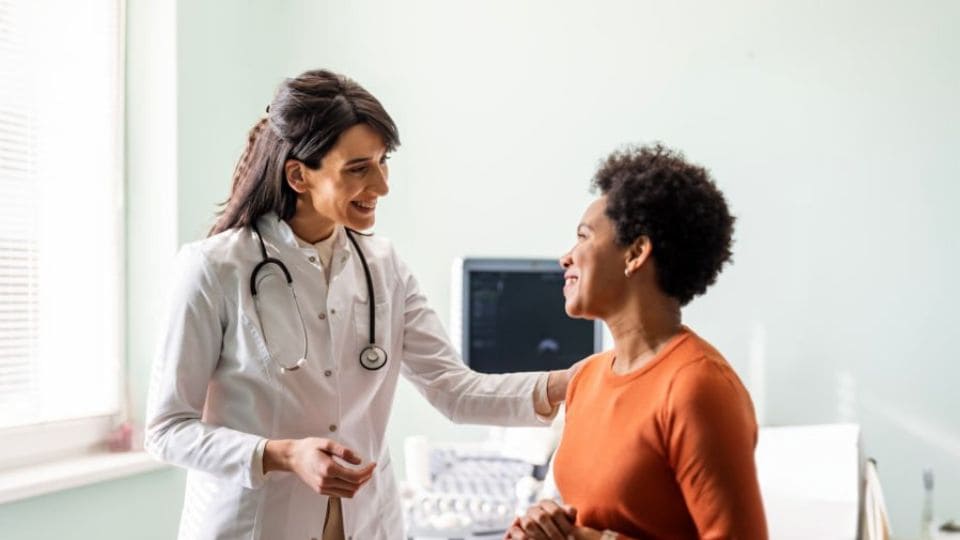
591, 368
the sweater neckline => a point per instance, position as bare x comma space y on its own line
611, 377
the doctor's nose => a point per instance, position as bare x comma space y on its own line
381, 184
566, 261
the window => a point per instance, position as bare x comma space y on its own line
61, 226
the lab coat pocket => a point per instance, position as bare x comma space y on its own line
379, 515
251, 346
391, 520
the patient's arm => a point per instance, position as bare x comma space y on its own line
712, 435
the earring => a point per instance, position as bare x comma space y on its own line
626, 272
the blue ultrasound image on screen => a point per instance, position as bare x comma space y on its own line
517, 323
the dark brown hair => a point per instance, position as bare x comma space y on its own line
653, 191
303, 122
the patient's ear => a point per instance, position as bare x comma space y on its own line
636, 255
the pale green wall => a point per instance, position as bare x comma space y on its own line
230, 57
832, 127
142, 507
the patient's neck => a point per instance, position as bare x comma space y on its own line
641, 328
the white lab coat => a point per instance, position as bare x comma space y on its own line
216, 393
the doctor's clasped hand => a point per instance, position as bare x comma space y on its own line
313, 461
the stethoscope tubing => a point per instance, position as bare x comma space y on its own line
372, 357
369, 278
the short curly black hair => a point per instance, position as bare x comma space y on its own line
653, 191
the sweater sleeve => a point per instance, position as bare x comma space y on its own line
711, 433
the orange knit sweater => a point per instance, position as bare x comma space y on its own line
665, 451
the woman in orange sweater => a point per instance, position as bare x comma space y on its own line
660, 432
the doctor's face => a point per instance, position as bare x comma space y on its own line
594, 283
351, 179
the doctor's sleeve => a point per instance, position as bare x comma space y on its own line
188, 354
464, 396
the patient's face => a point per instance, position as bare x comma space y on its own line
594, 283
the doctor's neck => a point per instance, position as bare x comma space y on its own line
311, 226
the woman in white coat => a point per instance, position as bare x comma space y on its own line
275, 379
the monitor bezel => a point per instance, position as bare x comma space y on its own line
461, 290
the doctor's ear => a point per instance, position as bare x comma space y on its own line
293, 171
636, 255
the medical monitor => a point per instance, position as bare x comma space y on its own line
508, 315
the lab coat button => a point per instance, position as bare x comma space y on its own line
333, 427
322, 316
312, 259
333, 312
328, 373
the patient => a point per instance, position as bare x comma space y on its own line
660, 432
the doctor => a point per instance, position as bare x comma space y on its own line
288, 332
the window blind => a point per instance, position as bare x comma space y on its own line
60, 210
18, 253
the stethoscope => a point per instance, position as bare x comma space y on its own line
372, 357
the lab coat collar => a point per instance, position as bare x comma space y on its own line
278, 230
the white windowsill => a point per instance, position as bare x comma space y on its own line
23, 482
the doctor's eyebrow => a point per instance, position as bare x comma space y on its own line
355, 161
584, 226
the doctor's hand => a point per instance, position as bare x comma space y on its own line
312, 459
558, 381
545, 520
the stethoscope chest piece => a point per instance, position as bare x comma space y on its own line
372, 357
